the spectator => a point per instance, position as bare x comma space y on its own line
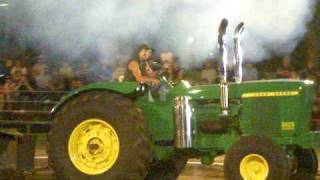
166, 58
58, 83
309, 72
119, 73
104, 71
249, 72
8, 65
170, 68
294, 75
66, 71
83, 73
208, 73
75, 84
285, 71
44, 80
18, 71
24, 90
166, 69
17, 90
24, 84
65, 74
178, 72
39, 66
9, 88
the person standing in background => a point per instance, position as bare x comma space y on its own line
285, 71
208, 73
250, 72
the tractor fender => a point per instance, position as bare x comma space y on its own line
125, 88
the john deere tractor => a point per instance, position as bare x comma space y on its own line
124, 130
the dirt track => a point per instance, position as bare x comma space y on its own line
193, 171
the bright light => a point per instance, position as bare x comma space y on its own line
308, 82
190, 40
4, 4
186, 83
195, 91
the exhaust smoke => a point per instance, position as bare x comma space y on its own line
186, 27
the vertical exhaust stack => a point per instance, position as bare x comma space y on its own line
183, 122
223, 67
238, 52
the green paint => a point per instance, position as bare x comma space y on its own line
122, 88
280, 109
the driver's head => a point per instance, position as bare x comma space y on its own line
145, 52
149, 54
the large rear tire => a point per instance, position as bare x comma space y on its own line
257, 158
99, 135
307, 164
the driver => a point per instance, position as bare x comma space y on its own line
140, 68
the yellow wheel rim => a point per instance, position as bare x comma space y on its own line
254, 167
93, 146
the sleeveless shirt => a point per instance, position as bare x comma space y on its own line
142, 66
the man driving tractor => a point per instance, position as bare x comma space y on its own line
139, 67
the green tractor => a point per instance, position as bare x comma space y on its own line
120, 130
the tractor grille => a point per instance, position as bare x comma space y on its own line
265, 116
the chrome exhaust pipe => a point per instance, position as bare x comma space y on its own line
183, 122
223, 67
238, 52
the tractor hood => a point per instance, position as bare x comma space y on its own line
249, 89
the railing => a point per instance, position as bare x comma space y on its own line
23, 105
27, 111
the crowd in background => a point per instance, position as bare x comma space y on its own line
24, 77
40, 73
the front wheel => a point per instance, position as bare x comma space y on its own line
256, 158
99, 135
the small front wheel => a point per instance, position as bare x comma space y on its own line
256, 158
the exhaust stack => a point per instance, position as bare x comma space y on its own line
238, 52
223, 67
183, 122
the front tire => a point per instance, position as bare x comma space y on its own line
256, 157
99, 135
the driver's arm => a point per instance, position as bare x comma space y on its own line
134, 68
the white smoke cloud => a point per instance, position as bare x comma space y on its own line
115, 26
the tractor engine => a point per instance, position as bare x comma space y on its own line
183, 111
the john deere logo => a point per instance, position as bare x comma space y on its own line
287, 126
270, 94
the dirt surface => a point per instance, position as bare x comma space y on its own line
193, 171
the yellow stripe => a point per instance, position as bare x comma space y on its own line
270, 94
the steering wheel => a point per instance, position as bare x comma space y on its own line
166, 82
